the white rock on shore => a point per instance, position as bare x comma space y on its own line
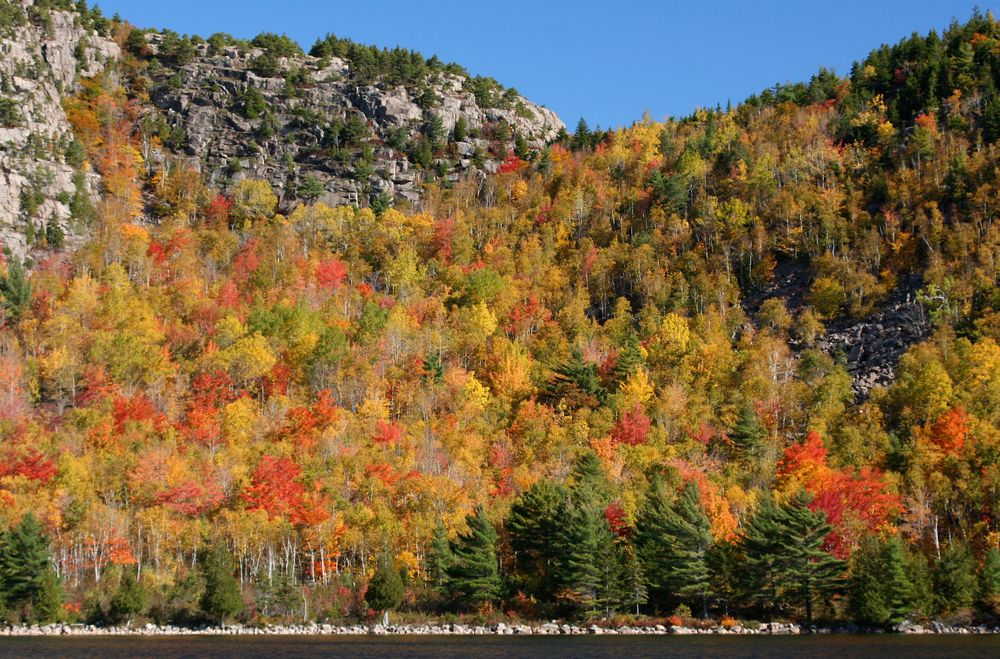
432, 628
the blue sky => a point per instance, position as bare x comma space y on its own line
606, 61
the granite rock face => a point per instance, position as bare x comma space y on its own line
40, 62
873, 345
288, 140
870, 345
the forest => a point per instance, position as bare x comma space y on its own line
563, 390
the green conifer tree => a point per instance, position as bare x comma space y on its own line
533, 524
385, 590
15, 289
581, 138
785, 561
129, 599
674, 540
955, 578
629, 359
989, 582
576, 383
747, 435
634, 591
25, 562
222, 598
50, 606
474, 575
588, 571
896, 582
690, 536
439, 559
866, 603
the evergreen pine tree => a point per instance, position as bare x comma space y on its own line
760, 571
895, 581
129, 599
589, 563
576, 383
785, 561
722, 562
439, 559
587, 478
588, 572
581, 138
521, 148
15, 289
675, 540
222, 598
867, 603
385, 590
433, 369
920, 574
634, 591
989, 581
690, 536
629, 359
55, 237
747, 435
533, 524
474, 575
49, 606
955, 578
811, 571
650, 531
461, 129
25, 561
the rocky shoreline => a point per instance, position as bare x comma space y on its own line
499, 629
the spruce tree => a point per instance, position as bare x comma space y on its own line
895, 581
385, 590
867, 603
722, 561
129, 599
222, 598
533, 524
49, 606
630, 358
581, 138
675, 540
955, 578
25, 562
439, 559
690, 536
634, 591
587, 478
589, 562
474, 575
589, 571
576, 383
761, 569
15, 289
461, 129
747, 435
989, 582
785, 561
811, 571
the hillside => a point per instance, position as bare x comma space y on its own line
686, 366
352, 125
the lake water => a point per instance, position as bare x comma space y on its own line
910, 647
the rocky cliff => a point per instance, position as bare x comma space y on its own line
319, 128
43, 55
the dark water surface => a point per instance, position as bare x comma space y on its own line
909, 647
